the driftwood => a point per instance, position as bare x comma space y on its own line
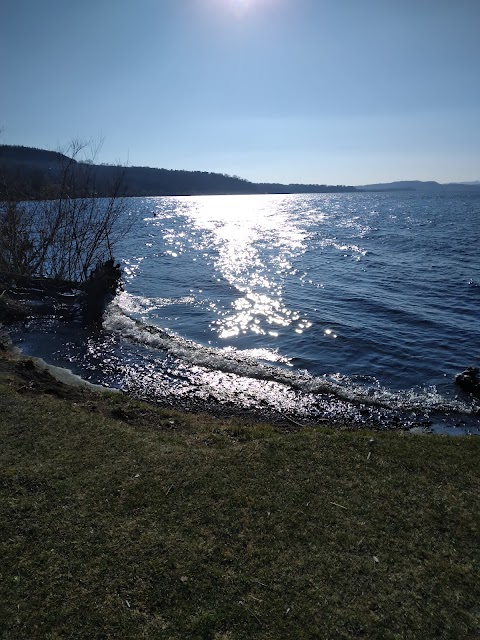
24, 296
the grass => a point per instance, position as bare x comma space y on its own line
122, 520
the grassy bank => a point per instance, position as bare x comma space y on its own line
120, 520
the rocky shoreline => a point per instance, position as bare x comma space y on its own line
45, 378
330, 412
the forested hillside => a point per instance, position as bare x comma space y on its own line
36, 173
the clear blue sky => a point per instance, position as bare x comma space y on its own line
324, 91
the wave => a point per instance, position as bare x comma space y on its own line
248, 364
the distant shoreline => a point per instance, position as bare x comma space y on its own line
36, 172
33, 172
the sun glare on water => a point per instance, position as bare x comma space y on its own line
242, 230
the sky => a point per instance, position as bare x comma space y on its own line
310, 91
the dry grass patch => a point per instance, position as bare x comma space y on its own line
121, 520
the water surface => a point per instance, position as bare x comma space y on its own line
357, 306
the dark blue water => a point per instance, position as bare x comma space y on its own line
346, 305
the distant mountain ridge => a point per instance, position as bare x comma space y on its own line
419, 185
36, 170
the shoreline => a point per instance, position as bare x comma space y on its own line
210, 406
329, 410
60, 374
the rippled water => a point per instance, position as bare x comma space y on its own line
351, 306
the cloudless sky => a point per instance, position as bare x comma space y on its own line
321, 91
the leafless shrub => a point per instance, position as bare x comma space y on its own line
69, 229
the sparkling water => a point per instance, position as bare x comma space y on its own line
355, 307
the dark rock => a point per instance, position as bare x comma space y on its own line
469, 381
99, 290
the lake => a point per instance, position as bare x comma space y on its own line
356, 307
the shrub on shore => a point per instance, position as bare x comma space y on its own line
66, 236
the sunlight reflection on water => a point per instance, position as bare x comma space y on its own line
244, 231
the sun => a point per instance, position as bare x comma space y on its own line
240, 7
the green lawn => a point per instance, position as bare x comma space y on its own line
120, 520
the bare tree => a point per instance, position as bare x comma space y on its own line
69, 229
63, 235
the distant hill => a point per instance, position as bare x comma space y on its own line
28, 172
418, 185
35, 171
13, 154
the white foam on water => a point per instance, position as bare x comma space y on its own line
141, 305
246, 364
